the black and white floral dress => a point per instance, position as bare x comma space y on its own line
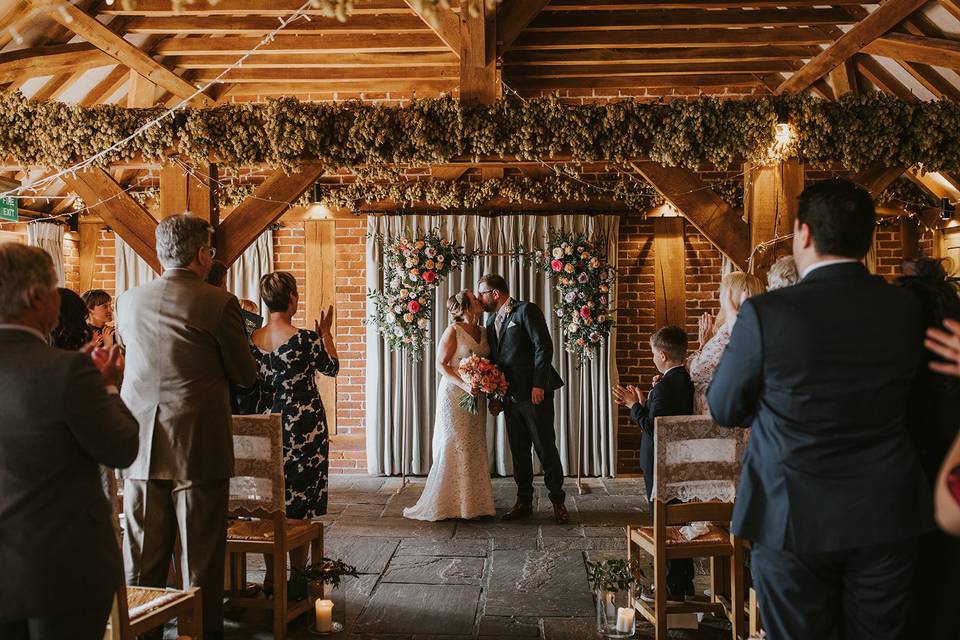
288, 387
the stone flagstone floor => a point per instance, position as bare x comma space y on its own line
479, 579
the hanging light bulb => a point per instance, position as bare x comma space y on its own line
110, 3
784, 133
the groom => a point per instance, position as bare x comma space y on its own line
520, 345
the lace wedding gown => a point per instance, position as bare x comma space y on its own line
458, 485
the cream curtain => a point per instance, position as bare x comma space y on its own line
132, 270
401, 394
243, 276
49, 237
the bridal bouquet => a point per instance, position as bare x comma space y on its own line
480, 372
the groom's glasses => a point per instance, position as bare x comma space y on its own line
483, 293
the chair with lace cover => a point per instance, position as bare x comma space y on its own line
139, 610
696, 470
258, 522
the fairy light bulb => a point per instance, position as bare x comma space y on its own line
64, 14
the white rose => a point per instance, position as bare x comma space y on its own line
398, 331
558, 253
391, 318
423, 323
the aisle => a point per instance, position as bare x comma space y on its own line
488, 579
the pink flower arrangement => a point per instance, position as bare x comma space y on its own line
480, 372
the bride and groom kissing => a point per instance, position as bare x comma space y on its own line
517, 340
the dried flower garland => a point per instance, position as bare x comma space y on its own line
415, 268
855, 132
583, 280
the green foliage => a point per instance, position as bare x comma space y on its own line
613, 575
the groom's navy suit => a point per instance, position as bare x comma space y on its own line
524, 352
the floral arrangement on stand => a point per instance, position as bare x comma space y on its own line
413, 268
583, 281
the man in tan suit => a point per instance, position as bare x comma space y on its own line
59, 418
185, 344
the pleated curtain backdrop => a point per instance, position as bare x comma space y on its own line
243, 276
49, 237
401, 393
131, 270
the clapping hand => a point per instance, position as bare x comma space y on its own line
109, 362
705, 328
325, 323
945, 344
627, 396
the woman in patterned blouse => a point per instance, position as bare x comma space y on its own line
715, 333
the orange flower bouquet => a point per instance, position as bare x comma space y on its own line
479, 372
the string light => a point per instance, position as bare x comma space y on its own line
62, 10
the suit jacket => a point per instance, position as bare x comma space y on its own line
58, 424
672, 396
186, 343
823, 371
524, 351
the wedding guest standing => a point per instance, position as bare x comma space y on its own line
60, 418
831, 495
100, 317
185, 345
72, 331
715, 334
945, 343
289, 359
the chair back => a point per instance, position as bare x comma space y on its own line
695, 460
256, 488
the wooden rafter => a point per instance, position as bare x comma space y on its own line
262, 208
479, 77
668, 55
722, 225
102, 37
53, 60
653, 38
122, 213
262, 25
881, 78
876, 178
513, 18
885, 17
305, 45
921, 50
843, 78
691, 18
319, 61
446, 25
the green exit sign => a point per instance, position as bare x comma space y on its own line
8, 209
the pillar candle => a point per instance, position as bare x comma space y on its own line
625, 619
324, 616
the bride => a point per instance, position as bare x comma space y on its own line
458, 485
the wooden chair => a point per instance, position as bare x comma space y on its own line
257, 495
696, 468
138, 610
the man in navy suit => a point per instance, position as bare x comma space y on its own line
521, 346
831, 494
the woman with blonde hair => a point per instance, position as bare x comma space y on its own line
715, 333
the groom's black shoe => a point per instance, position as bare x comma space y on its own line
560, 513
519, 511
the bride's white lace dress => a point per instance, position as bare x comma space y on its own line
458, 485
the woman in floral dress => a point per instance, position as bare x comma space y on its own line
715, 334
289, 359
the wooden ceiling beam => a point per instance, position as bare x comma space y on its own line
106, 87
628, 69
105, 39
305, 45
624, 5
951, 6
884, 18
445, 24
513, 18
288, 76
661, 55
479, 76
881, 78
932, 81
260, 25
54, 87
652, 39
52, 60
274, 9
720, 224
124, 215
420, 88
876, 178
843, 78
922, 50
320, 61
690, 19
268, 202
625, 82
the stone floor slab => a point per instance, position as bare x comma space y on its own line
454, 548
367, 554
399, 609
581, 544
538, 584
509, 627
434, 570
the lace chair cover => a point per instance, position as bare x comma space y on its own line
695, 460
256, 487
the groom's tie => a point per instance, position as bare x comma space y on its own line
498, 323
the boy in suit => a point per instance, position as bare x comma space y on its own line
672, 395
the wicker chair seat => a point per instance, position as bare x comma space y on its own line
716, 535
143, 600
262, 530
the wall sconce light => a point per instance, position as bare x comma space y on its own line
946, 209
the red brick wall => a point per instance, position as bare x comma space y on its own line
105, 271
71, 261
289, 254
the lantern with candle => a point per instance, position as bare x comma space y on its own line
612, 581
331, 606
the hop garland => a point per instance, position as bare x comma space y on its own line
855, 131
582, 280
